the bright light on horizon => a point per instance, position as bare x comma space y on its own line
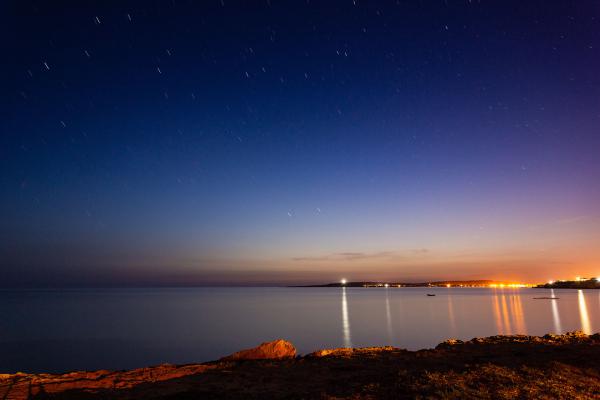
343, 281
509, 285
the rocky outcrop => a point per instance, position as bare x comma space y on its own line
497, 367
567, 338
25, 386
277, 349
346, 352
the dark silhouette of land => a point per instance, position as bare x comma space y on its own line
583, 283
470, 283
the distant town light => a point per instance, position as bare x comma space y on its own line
387, 285
447, 285
343, 281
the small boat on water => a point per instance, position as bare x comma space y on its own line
546, 298
431, 295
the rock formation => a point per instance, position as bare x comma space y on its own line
277, 349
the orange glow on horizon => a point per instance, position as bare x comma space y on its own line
510, 285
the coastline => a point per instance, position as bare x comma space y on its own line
552, 366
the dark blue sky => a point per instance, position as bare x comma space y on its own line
169, 142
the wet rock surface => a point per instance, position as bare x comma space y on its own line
498, 367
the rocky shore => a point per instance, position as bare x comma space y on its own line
498, 367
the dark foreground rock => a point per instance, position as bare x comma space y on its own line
498, 367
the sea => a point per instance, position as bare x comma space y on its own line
90, 329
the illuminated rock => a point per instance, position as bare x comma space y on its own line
276, 349
449, 343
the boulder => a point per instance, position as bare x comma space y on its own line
341, 352
322, 353
277, 349
448, 343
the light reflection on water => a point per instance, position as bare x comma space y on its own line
519, 317
451, 316
345, 320
126, 328
388, 318
583, 313
508, 312
555, 314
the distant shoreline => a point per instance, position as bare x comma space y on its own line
483, 283
582, 283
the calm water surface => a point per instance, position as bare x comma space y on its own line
56, 331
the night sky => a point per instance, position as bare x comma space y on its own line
216, 142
